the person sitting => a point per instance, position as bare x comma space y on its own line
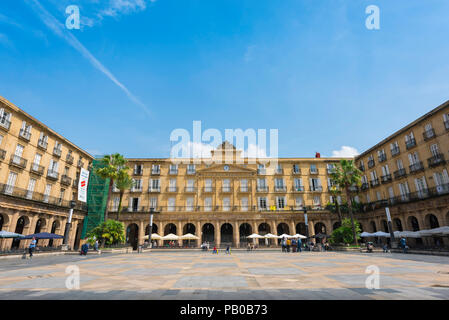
215, 250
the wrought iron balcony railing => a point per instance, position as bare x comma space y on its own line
69, 159
296, 188
374, 183
2, 154
37, 169
410, 143
190, 189
280, 189
154, 189
171, 189
57, 152
316, 189
66, 180
263, 189
52, 174
429, 134
25, 134
18, 161
400, 173
42, 144
364, 186
436, 160
371, 163
386, 178
5, 124
416, 167
382, 157
395, 151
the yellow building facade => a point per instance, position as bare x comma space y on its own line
223, 201
408, 173
39, 172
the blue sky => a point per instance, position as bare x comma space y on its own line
136, 70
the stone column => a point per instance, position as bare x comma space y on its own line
311, 229
48, 229
141, 239
179, 232
11, 227
274, 230
236, 234
292, 228
217, 234
255, 230
199, 233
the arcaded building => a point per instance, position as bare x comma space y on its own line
408, 173
225, 201
39, 169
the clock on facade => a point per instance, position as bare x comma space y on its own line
226, 168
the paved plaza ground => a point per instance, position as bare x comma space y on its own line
196, 275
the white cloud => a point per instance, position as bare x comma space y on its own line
345, 152
59, 29
255, 151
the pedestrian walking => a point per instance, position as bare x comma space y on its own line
96, 245
32, 247
299, 244
289, 243
228, 249
404, 244
284, 245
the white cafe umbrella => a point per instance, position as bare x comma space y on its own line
285, 236
170, 236
255, 236
189, 236
300, 236
407, 234
271, 236
366, 235
435, 231
381, 234
154, 236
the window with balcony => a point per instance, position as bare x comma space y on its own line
137, 185
30, 189
208, 185
244, 204
138, 169
43, 141
153, 203
394, 147
313, 169
47, 192
279, 185
226, 204
155, 169
381, 155
189, 204
371, 162
5, 119
446, 120
226, 185
262, 185
280, 203
317, 201
9, 188
361, 166
297, 185
279, 169
53, 169
262, 203
330, 168
410, 141
190, 187
244, 185
155, 185
172, 185
315, 184
191, 169
173, 169
429, 132
299, 203
296, 169
171, 204
115, 204
415, 163
437, 158
16, 158
208, 204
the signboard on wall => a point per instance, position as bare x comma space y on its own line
82, 185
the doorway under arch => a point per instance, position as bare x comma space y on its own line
132, 235
208, 233
226, 234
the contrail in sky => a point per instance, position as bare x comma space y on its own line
59, 29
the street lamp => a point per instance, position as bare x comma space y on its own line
306, 222
390, 228
151, 226
69, 223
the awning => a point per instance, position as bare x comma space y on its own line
7, 234
43, 235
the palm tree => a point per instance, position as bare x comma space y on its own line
123, 183
113, 164
347, 175
335, 192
